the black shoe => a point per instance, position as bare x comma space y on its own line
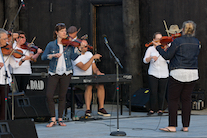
103, 112
160, 113
68, 106
150, 113
79, 107
88, 113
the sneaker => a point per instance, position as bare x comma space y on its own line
103, 112
88, 113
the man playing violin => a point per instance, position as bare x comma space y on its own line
85, 65
72, 32
22, 73
5, 61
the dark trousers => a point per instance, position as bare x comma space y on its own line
63, 81
157, 92
22, 81
78, 99
179, 91
2, 100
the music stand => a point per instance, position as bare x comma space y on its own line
117, 62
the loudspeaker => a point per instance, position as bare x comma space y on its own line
20, 128
31, 107
139, 100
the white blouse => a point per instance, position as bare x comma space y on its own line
184, 75
158, 68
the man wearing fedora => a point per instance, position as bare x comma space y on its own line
72, 32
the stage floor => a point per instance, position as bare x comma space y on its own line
136, 125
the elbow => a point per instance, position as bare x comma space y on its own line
84, 69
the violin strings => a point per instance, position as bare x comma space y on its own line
12, 51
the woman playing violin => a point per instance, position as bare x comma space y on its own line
183, 55
60, 69
158, 76
22, 73
8, 60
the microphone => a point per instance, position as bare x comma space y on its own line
105, 39
23, 5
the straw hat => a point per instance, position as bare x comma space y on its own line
174, 29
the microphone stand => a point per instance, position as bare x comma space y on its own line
12, 28
117, 62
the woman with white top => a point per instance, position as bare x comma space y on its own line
60, 69
183, 55
158, 76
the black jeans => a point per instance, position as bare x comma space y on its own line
22, 81
157, 92
63, 81
179, 91
2, 100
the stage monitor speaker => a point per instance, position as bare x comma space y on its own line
19, 128
31, 107
139, 100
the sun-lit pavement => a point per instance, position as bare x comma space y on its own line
137, 125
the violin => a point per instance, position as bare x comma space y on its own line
76, 43
165, 40
7, 50
29, 46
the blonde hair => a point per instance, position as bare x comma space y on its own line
189, 28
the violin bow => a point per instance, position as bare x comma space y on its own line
84, 37
32, 42
4, 24
12, 50
166, 27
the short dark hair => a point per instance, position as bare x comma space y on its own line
21, 32
154, 35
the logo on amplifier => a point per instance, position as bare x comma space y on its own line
35, 85
87, 80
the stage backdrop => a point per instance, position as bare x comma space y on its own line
98, 17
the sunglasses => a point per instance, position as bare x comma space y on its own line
58, 24
22, 37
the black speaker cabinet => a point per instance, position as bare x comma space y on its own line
20, 128
140, 100
31, 107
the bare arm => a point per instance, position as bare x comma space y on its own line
39, 51
22, 60
88, 64
96, 70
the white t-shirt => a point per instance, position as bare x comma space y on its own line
8, 60
84, 59
25, 68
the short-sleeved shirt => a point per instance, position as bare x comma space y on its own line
84, 58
